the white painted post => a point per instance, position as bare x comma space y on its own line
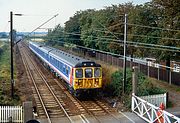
132, 102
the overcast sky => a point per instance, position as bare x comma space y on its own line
38, 11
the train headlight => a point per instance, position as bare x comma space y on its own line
96, 83
80, 82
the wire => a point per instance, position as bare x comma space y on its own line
43, 23
107, 29
131, 42
147, 36
153, 27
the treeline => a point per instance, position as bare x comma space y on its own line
150, 27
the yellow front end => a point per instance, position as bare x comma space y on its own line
87, 78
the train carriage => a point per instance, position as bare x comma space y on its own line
80, 74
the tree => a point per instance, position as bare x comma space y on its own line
72, 29
55, 36
169, 14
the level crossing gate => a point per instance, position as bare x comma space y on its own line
149, 112
11, 114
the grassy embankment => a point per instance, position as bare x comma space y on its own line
5, 85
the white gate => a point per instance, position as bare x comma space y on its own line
11, 113
149, 112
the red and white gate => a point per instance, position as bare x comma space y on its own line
150, 112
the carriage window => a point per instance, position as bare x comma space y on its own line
97, 72
79, 73
88, 72
67, 70
64, 68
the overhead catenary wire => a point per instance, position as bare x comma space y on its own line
164, 29
131, 42
145, 36
43, 23
117, 43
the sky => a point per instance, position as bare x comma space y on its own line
36, 12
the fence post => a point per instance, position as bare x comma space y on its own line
165, 99
148, 70
107, 57
132, 102
139, 67
170, 76
158, 72
28, 111
134, 79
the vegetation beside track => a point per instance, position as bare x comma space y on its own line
5, 86
144, 87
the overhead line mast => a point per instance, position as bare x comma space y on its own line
124, 63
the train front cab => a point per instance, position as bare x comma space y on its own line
87, 78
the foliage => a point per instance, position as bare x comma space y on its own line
55, 36
72, 29
5, 98
99, 29
5, 63
145, 87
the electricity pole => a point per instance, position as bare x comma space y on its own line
124, 63
12, 67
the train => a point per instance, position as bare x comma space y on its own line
81, 75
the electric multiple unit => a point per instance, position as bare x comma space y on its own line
80, 74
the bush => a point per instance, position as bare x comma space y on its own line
144, 87
117, 82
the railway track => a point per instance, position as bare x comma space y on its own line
58, 102
48, 104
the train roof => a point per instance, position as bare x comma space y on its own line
42, 47
69, 58
73, 60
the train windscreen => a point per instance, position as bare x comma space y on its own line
79, 73
97, 72
88, 73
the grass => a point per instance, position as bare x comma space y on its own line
5, 85
165, 85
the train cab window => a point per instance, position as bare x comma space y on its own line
97, 72
88, 72
79, 73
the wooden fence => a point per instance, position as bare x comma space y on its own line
11, 114
159, 72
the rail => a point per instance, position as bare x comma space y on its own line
57, 100
38, 93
